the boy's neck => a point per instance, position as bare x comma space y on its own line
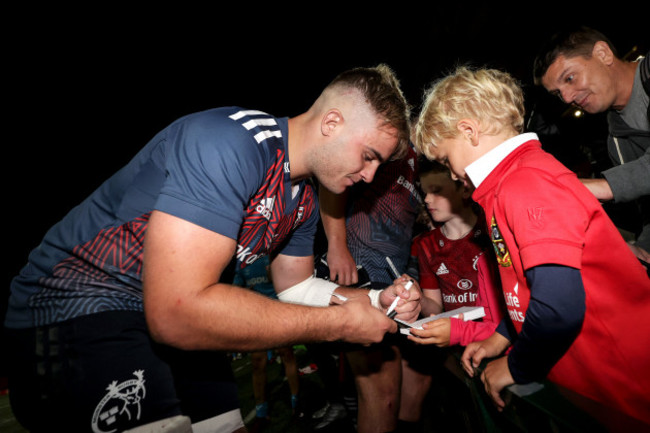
460, 226
490, 141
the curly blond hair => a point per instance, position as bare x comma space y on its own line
492, 97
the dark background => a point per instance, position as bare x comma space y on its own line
85, 89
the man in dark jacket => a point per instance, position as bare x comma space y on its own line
582, 68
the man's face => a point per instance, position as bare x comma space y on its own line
585, 82
354, 156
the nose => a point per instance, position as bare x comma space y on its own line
368, 173
567, 95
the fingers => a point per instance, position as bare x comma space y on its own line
472, 357
423, 336
493, 390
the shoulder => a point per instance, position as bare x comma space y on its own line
228, 136
427, 240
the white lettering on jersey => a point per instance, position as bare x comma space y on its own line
265, 208
512, 302
244, 255
462, 298
475, 260
401, 180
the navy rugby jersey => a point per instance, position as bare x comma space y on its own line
380, 218
225, 169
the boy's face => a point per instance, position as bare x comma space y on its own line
443, 197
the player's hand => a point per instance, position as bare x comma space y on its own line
363, 323
408, 306
343, 269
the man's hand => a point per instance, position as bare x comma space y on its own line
408, 307
343, 269
364, 324
599, 188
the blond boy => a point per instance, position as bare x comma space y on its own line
578, 300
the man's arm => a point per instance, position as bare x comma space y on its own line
631, 180
187, 307
343, 268
289, 272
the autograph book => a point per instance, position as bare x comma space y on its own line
469, 313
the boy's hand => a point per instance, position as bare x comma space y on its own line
495, 377
475, 352
435, 332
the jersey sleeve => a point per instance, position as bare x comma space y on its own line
213, 167
422, 251
489, 297
549, 224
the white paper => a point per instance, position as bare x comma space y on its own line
469, 313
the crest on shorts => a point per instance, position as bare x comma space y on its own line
121, 402
500, 247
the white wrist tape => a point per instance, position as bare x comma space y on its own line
374, 298
313, 291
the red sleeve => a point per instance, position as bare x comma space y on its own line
489, 297
550, 224
422, 251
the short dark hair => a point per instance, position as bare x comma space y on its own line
425, 165
382, 91
569, 42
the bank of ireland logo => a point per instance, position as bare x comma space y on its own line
500, 248
122, 401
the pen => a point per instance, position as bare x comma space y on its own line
393, 268
391, 310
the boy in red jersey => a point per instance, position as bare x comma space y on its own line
571, 284
449, 258
455, 267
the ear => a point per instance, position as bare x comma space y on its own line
330, 121
469, 130
602, 52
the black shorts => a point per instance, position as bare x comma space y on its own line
104, 373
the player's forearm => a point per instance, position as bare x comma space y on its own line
225, 317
